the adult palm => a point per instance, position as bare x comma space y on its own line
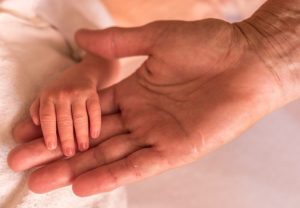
201, 86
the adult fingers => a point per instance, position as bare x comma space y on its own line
119, 42
137, 166
48, 123
94, 111
30, 155
108, 101
65, 127
26, 130
81, 124
21, 158
34, 111
61, 173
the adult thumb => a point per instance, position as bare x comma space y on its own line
119, 42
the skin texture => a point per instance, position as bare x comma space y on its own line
181, 104
132, 13
68, 109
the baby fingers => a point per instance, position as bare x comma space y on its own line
48, 123
94, 112
65, 127
81, 124
34, 111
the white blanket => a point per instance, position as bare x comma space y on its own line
36, 44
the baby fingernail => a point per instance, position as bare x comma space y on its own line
36, 121
69, 152
83, 146
51, 145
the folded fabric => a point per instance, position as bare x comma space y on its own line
36, 45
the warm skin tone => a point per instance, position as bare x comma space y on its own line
68, 109
203, 84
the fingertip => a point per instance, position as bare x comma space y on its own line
81, 188
84, 186
12, 163
34, 184
51, 145
36, 121
69, 151
79, 36
82, 31
95, 134
50, 177
25, 131
78, 191
83, 146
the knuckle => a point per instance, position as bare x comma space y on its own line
74, 92
64, 120
46, 99
46, 118
62, 95
49, 134
100, 156
45, 94
81, 136
94, 106
66, 140
79, 117
115, 179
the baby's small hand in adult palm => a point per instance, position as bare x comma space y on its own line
69, 108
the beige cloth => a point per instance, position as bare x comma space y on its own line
36, 45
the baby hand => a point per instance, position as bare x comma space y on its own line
69, 108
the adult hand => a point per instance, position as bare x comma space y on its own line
203, 84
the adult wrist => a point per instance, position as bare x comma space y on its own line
273, 32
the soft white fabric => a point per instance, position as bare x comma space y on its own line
34, 48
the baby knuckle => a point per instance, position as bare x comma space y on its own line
64, 120
79, 117
45, 117
46, 98
46, 94
94, 106
49, 133
74, 93
80, 92
62, 95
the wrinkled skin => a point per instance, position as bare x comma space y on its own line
68, 108
181, 104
